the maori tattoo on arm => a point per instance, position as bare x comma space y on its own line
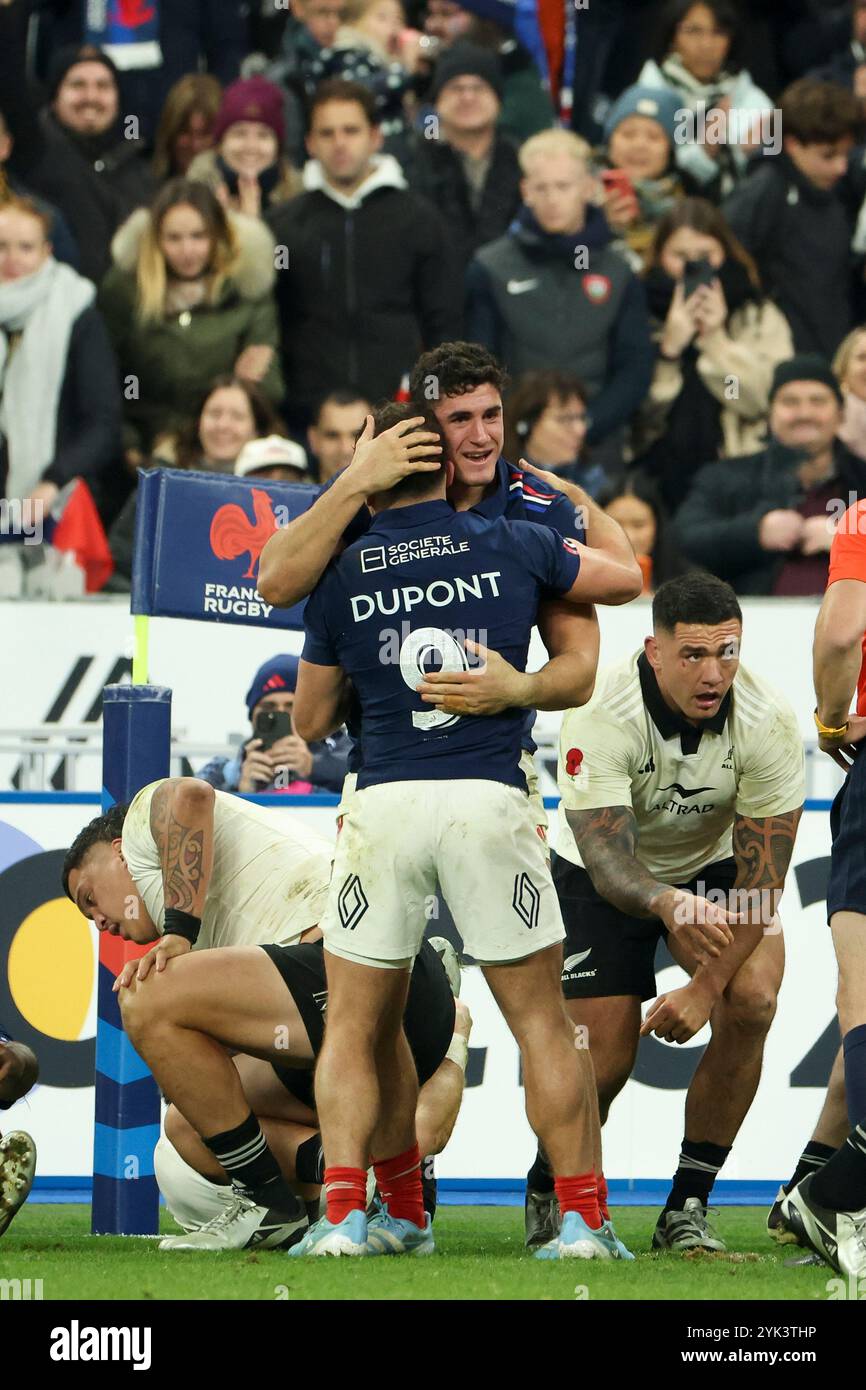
607, 838
180, 848
763, 849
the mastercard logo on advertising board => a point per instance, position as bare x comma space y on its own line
47, 962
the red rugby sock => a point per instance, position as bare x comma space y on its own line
601, 1183
345, 1190
399, 1182
580, 1194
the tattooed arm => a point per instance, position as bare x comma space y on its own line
762, 850
607, 839
181, 823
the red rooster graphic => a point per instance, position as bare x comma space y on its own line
233, 534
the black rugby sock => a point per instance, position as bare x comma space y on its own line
540, 1176
697, 1171
244, 1153
841, 1183
310, 1160
813, 1157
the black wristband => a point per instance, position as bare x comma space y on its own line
183, 924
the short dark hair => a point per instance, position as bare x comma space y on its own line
341, 395
339, 89
674, 12
694, 598
100, 831
819, 113
453, 369
416, 485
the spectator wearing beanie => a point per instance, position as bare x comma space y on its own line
459, 160
371, 280
765, 522
718, 346
697, 58
552, 293
74, 152
639, 178
287, 765
189, 297
790, 216
247, 168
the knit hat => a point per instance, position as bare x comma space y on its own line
467, 60
658, 104
251, 99
806, 366
280, 673
270, 452
71, 54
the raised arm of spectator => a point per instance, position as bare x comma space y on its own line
630, 366
296, 557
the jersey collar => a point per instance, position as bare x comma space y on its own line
668, 721
495, 503
402, 518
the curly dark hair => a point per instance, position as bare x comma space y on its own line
100, 831
453, 369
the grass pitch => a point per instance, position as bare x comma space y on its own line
480, 1255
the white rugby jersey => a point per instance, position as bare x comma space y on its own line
270, 873
626, 747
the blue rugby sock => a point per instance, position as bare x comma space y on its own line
854, 1050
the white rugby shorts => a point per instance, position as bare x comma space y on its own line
478, 840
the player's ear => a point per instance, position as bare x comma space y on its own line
449, 473
651, 647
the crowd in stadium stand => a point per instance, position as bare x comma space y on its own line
227, 231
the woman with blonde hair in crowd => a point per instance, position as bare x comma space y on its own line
186, 124
849, 364
247, 167
719, 341
188, 298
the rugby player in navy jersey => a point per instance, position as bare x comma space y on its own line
19, 1072
462, 384
441, 799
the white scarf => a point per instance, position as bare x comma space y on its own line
42, 307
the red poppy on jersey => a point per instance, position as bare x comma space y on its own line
573, 761
848, 561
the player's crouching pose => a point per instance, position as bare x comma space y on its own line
440, 797
216, 870
19, 1071
682, 786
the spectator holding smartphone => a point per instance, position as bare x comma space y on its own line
719, 340
639, 178
275, 759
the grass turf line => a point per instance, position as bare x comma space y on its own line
480, 1255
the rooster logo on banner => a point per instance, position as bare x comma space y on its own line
233, 534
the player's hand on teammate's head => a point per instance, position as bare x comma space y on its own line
405, 448
678, 1015
165, 950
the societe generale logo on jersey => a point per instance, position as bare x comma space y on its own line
233, 534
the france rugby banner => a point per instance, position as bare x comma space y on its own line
126, 30
198, 539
